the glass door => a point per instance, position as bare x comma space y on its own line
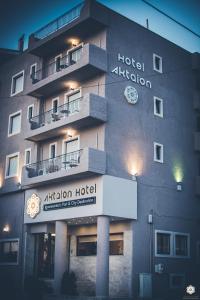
44, 255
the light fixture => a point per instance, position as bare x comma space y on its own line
179, 186
6, 228
134, 177
69, 134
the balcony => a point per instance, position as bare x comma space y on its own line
82, 21
83, 112
52, 79
197, 141
75, 165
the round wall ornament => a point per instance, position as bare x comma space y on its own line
131, 94
33, 206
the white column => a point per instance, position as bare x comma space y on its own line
131, 260
102, 261
60, 264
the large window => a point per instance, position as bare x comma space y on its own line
17, 85
14, 125
87, 245
9, 250
12, 165
172, 244
72, 101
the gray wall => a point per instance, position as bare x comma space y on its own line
129, 138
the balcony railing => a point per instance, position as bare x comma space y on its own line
55, 67
62, 162
55, 25
53, 115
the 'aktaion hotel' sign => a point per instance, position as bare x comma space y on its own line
130, 75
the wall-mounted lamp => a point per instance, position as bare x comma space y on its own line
134, 177
19, 185
6, 228
69, 134
179, 186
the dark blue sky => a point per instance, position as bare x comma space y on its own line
26, 16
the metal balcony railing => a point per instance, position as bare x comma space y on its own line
54, 115
62, 162
58, 23
56, 66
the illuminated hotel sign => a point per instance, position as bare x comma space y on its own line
131, 74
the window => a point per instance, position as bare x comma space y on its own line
72, 99
181, 244
52, 150
9, 250
14, 125
172, 244
158, 107
12, 165
55, 105
33, 70
176, 281
157, 63
27, 156
75, 53
163, 243
87, 245
17, 85
158, 152
58, 62
30, 112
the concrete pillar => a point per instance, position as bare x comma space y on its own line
131, 285
60, 264
102, 262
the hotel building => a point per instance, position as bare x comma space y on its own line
99, 157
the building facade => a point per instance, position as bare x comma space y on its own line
99, 158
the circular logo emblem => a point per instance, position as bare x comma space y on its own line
190, 289
131, 94
33, 206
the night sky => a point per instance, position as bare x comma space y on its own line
19, 17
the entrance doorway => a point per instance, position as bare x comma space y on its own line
44, 255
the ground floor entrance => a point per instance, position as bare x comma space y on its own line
98, 252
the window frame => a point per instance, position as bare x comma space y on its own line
71, 50
70, 93
70, 139
11, 240
19, 112
172, 244
12, 83
161, 102
50, 145
95, 236
6, 166
161, 160
31, 67
160, 70
188, 244
55, 59
25, 156
31, 105
171, 275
